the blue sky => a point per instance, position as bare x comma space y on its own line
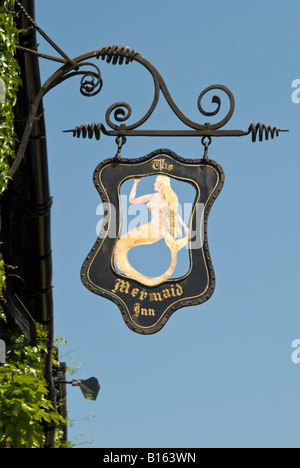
219, 374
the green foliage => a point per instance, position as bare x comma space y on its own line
23, 390
23, 394
9, 84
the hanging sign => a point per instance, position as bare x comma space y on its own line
151, 256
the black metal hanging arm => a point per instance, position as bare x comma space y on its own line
120, 112
258, 131
46, 37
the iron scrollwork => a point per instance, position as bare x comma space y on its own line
121, 112
91, 84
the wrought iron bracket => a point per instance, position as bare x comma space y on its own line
119, 113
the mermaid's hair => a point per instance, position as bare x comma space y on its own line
170, 205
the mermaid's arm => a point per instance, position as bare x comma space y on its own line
142, 199
180, 221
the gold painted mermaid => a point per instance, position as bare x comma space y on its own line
165, 223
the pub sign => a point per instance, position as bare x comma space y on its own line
160, 261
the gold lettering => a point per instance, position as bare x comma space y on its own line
122, 286
143, 295
136, 310
155, 297
160, 165
134, 292
155, 164
146, 312
166, 293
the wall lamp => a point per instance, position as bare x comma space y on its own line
90, 387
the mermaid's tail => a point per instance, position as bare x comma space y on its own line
146, 234
176, 244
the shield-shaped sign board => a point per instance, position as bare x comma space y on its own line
151, 256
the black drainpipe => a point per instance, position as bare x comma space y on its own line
25, 211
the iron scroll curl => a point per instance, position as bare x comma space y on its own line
119, 113
91, 85
122, 111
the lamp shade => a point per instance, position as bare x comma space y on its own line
90, 387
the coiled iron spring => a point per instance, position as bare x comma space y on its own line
87, 130
262, 132
117, 54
